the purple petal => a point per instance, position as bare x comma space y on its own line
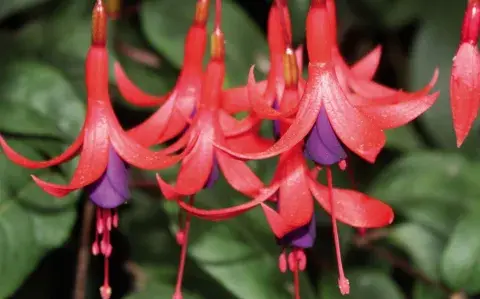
214, 175
322, 144
111, 190
276, 123
303, 237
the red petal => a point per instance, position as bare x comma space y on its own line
238, 175
295, 203
93, 158
235, 100
135, 154
195, 169
226, 213
279, 227
307, 115
249, 142
68, 154
232, 127
133, 94
356, 131
465, 90
262, 102
352, 207
370, 89
395, 111
164, 124
367, 66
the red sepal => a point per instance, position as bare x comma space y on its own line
135, 154
226, 213
465, 90
195, 169
262, 103
352, 207
235, 100
166, 123
68, 154
295, 203
397, 110
133, 94
355, 130
93, 157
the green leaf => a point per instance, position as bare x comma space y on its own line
404, 138
37, 100
155, 253
155, 81
28, 227
461, 259
430, 188
424, 291
8, 7
165, 25
298, 14
158, 282
423, 246
394, 13
435, 46
364, 283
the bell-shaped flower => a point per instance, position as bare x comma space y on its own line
203, 163
260, 97
292, 216
465, 76
171, 118
357, 122
103, 146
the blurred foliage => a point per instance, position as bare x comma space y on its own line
431, 251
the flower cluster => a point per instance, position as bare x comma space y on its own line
317, 121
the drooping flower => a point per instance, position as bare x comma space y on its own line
104, 149
357, 121
465, 76
171, 119
292, 217
260, 97
203, 163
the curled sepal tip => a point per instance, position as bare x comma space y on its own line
99, 24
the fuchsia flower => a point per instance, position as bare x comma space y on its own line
202, 164
292, 218
171, 119
104, 149
465, 80
357, 121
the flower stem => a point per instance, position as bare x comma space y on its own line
84, 251
397, 262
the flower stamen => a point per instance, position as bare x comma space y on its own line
183, 253
343, 282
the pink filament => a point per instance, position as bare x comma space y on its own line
105, 222
183, 254
342, 280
